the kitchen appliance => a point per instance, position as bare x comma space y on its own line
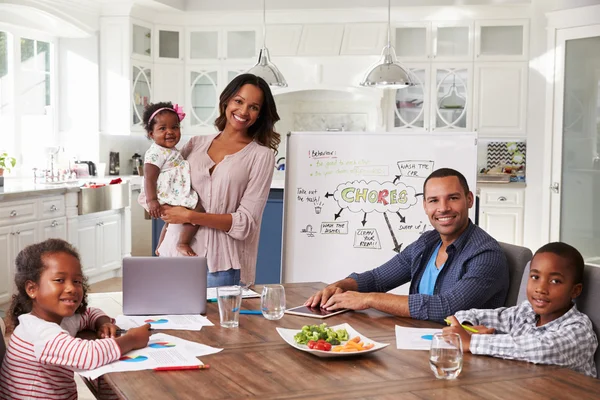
136, 160
84, 169
113, 163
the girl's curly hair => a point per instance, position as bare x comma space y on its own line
149, 110
30, 265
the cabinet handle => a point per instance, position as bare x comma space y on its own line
53, 208
18, 232
54, 224
13, 213
501, 198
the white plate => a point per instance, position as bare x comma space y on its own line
288, 336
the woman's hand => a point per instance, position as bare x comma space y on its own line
154, 208
107, 330
175, 215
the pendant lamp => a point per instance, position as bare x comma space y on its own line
264, 67
388, 72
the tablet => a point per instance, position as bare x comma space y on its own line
316, 312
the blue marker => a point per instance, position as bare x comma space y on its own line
251, 312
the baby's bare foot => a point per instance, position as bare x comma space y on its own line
185, 249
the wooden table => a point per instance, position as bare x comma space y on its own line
257, 363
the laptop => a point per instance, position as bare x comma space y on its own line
164, 285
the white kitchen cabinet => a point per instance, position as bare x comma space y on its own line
99, 242
434, 41
321, 40
451, 96
141, 40
210, 45
411, 105
53, 229
501, 213
502, 40
283, 40
364, 39
500, 98
141, 92
168, 42
6, 264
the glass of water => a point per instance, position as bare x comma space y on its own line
230, 300
272, 301
446, 355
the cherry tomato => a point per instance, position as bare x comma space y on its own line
320, 346
327, 346
311, 344
321, 341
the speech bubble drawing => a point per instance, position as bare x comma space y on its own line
415, 168
363, 196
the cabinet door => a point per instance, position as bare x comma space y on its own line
500, 98
168, 43
203, 91
241, 43
6, 264
54, 228
503, 224
87, 244
452, 41
283, 40
364, 39
110, 242
451, 97
410, 105
141, 92
203, 45
321, 40
412, 41
24, 235
141, 40
502, 40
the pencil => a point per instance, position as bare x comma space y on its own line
465, 327
182, 368
124, 331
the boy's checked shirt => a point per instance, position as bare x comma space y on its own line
568, 341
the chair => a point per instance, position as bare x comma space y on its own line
587, 302
518, 258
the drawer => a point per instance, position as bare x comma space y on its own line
53, 207
502, 197
18, 211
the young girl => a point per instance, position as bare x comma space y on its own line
166, 173
46, 314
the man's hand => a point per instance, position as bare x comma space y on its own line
107, 330
153, 208
175, 215
350, 300
322, 296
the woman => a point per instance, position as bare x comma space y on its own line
231, 172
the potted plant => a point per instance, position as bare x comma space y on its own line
6, 163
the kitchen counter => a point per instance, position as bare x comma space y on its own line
18, 188
512, 185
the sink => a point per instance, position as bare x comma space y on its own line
109, 197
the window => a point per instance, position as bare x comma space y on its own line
27, 98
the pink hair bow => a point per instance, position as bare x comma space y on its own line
179, 110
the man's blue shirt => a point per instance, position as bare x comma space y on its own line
475, 275
427, 284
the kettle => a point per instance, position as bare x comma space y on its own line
138, 165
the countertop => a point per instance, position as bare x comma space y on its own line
499, 185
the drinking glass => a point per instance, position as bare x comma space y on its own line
272, 301
446, 355
230, 300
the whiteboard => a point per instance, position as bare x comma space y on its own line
352, 200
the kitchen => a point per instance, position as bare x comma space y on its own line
75, 76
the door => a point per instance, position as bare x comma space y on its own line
575, 189
110, 242
54, 228
87, 239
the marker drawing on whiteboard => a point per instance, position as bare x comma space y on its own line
308, 230
397, 247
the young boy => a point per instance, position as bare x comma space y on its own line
545, 329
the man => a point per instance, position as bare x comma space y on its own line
456, 266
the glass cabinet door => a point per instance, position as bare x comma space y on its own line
409, 103
452, 41
141, 94
204, 45
241, 44
412, 42
501, 40
141, 41
168, 44
204, 92
451, 98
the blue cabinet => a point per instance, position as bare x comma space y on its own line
268, 266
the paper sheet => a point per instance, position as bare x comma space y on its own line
211, 293
414, 338
189, 322
162, 351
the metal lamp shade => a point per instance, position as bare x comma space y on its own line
267, 70
387, 72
